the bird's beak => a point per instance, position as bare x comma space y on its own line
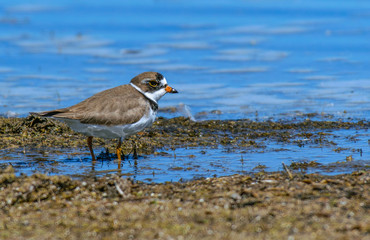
170, 89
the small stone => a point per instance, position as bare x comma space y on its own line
236, 196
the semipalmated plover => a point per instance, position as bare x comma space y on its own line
117, 112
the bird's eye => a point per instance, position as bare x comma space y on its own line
153, 83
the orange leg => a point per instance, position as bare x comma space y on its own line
119, 149
89, 144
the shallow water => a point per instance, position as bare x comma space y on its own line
241, 57
245, 59
343, 151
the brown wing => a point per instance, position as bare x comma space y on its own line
116, 106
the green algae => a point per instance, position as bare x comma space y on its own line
35, 132
259, 206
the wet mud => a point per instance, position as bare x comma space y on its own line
260, 206
276, 205
42, 139
36, 132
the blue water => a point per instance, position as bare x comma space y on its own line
244, 58
184, 164
238, 57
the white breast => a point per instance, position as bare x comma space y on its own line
111, 131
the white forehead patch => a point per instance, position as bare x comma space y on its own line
164, 81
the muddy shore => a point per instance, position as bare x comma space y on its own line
279, 205
264, 206
169, 134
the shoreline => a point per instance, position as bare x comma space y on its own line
167, 138
270, 205
263, 205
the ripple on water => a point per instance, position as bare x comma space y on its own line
238, 60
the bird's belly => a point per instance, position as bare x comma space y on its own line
114, 131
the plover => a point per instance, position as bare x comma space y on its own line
117, 112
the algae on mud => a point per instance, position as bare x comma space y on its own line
259, 206
44, 142
177, 132
263, 206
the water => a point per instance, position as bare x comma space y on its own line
350, 152
242, 58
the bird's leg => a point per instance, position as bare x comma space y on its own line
119, 149
89, 144
135, 150
107, 151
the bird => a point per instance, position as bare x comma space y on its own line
117, 112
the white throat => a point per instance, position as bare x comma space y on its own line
154, 96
